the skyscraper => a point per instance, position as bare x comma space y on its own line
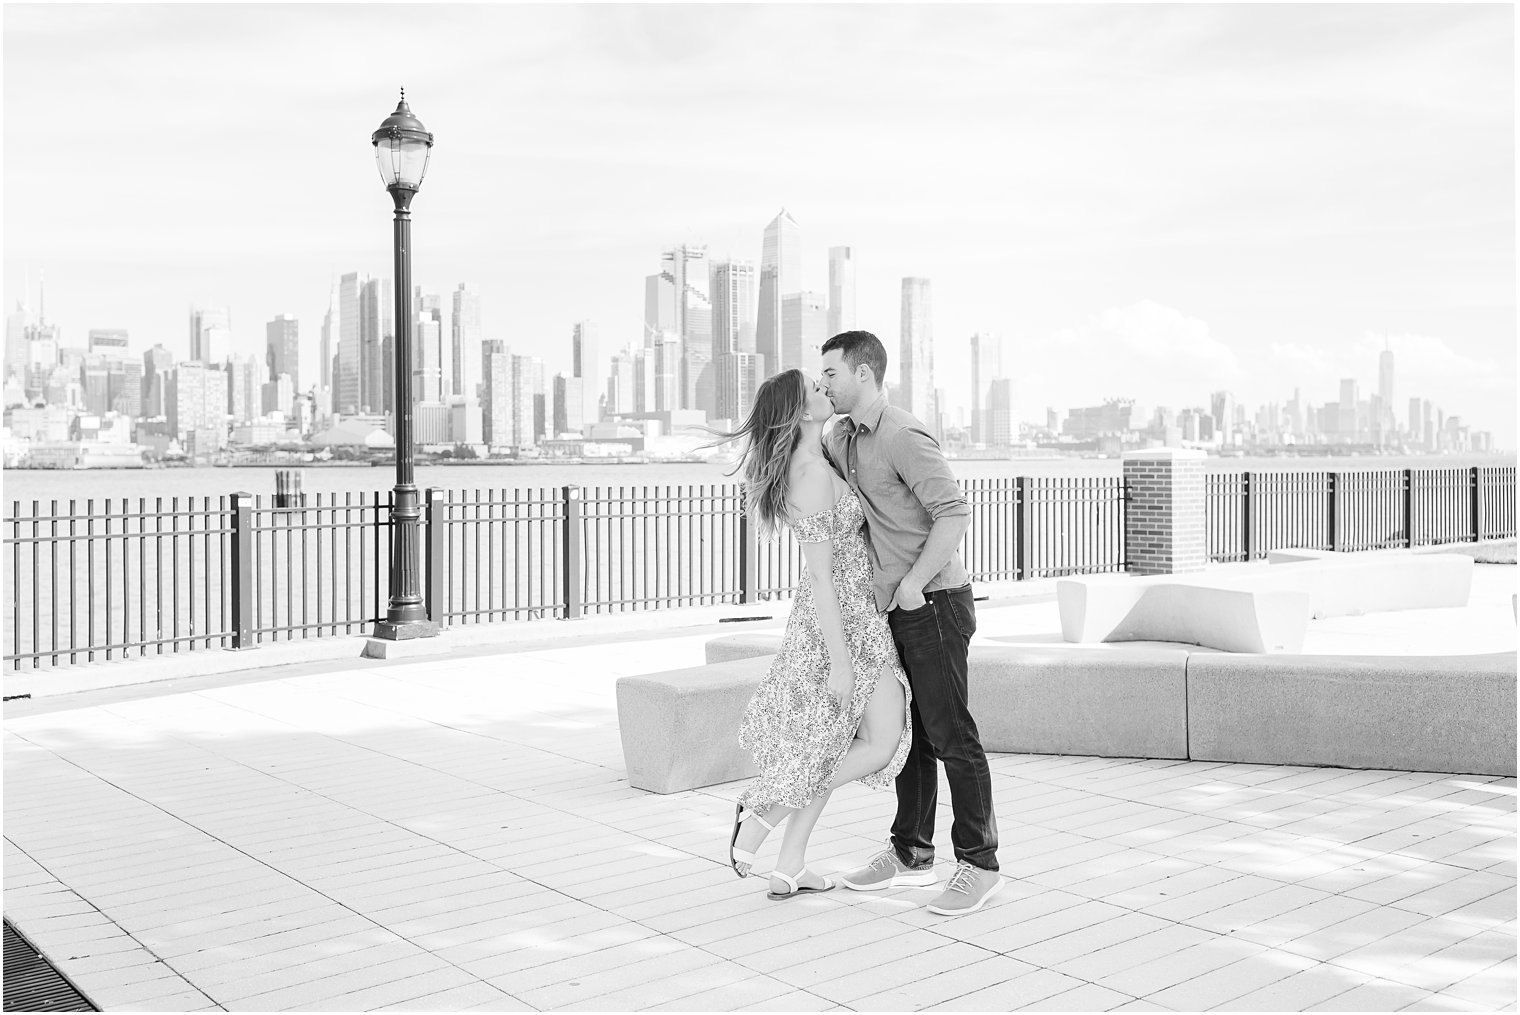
158, 362
16, 352
1345, 411
1386, 423
245, 388
986, 369
331, 325
916, 353
377, 332
1222, 408
677, 300
621, 383
464, 344
497, 407
282, 350
733, 307
841, 290
109, 341
210, 335
585, 370
738, 378
804, 329
348, 384
780, 274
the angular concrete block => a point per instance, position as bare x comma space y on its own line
745, 645
1348, 585
680, 728
1406, 713
1190, 611
1112, 703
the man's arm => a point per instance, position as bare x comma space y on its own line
922, 466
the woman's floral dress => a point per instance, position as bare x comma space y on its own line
793, 726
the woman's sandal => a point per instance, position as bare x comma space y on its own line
736, 856
828, 886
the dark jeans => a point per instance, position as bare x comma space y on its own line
933, 642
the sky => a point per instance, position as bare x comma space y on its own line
1143, 201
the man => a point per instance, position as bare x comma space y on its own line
915, 518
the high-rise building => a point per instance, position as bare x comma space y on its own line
349, 383
331, 328
1222, 408
1346, 411
841, 290
110, 341
196, 398
1000, 425
158, 362
1416, 430
677, 300
528, 402
568, 412
1385, 386
282, 351
585, 368
279, 395
738, 378
377, 332
986, 370
667, 373
210, 335
733, 306
622, 381
497, 418
95, 380
16, 352
916, 353
464, 342
804, 329
245, 388
780, 274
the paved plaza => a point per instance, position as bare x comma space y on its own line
455, 832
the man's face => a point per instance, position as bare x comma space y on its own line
839, 382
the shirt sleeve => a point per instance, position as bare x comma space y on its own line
918, 460
814, 528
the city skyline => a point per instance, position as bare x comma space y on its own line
1228, 188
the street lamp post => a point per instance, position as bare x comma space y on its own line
401, 151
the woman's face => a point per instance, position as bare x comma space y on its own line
818, 404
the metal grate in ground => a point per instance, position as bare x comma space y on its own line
31, 982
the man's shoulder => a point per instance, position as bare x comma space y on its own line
898, 418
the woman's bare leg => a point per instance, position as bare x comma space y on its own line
875, 742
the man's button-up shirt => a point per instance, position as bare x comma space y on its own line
904, 484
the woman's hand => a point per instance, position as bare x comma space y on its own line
842, 683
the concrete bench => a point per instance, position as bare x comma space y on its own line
679, 728
1342, 585
1108, 702
742, 646
1404, 713
1196, 611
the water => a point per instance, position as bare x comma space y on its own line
45, 485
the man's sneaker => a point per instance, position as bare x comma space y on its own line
886, 870
968, 890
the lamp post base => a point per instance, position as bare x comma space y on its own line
406, 631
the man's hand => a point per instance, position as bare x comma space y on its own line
908, 597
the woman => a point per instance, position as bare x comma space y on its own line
834, 706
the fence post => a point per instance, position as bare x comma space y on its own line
1409, 508
1021, 533
1335, 510
749, 558
574, 581
1247, 497
437, 555
1475, 488
242, 570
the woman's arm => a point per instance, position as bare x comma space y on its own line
812, 492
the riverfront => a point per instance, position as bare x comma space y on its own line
42, 485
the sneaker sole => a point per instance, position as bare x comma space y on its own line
969, 909
918, 880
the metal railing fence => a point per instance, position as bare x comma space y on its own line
103, 580
1251, 513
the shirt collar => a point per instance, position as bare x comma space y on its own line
870, 418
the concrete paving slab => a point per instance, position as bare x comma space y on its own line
470, 809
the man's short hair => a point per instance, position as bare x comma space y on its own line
857, 347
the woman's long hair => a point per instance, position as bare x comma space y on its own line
770, 433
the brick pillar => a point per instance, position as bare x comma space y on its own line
1164, 515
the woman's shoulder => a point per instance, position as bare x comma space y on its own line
811, 488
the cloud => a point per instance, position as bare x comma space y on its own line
1425, 366
1146, 351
